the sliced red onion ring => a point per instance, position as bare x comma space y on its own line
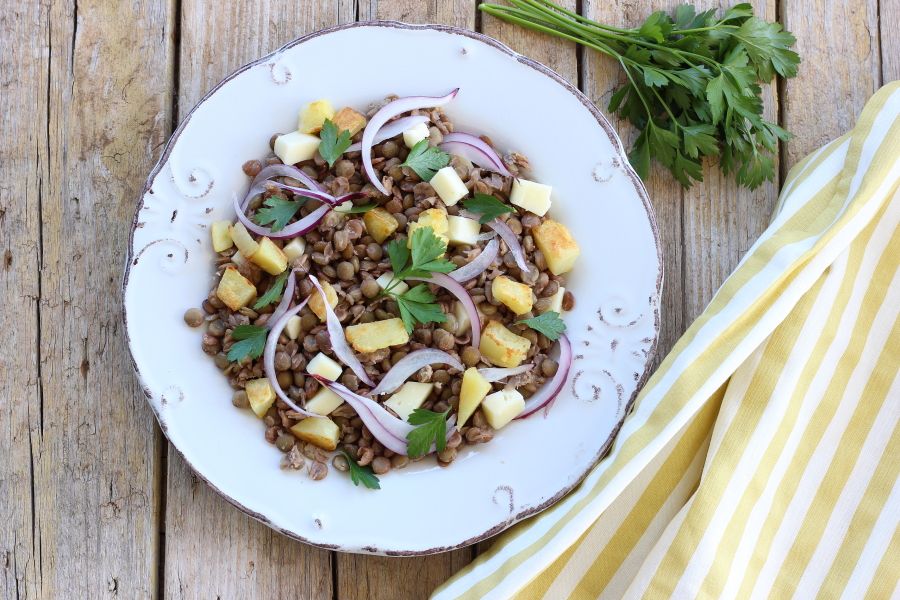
456, 288
269, 357
483, 237
307, 223
385, 114
512, 241
297, 191
477, 265
338, 342
496, 374
411, 363
478, 151
286, 298
287, 171
391, 129
547, 394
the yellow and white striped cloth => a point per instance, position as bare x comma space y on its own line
762, 458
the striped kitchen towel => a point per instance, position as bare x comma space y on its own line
762, 458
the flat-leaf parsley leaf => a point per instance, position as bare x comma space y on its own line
334, 143
488, 206
426, 160
431, 428
278, 211
274, 292
361, 475
547, 323
251, 342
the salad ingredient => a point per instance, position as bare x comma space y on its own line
455, 288
251, 341
502, 407
501, 346
415, 134
317, 305
547, 323
276, 212
324, 366
479, 264
361, 475
380, 224
493, 374
220, 232
393, 129
411, 396
323, 402
461, 314
273, 293
296, 147
448, 185
430, 428
533, 197
512, 242
261, 181
516, 296
411, 363
426, 160
473, 390
269, 257
385, 281
287, 298
271, 343
369, 337
556, 301
556, 243
350, 120
235, 290
314, 115
436, 219
484, 152
294, 249
260, 395
293, 327
489, 207
550, 390
461, 230
419, 305
334, 142
321, 431
245, 243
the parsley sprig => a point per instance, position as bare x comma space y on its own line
361, 475
692, 83
431, 428
277, 211
334, 143
547, 323
274, 292
251, 342
426, 160
489, 207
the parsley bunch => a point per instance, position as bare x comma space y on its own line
693, 83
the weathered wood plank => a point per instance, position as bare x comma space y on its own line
889, 16
212, 549
96, 446
24, 40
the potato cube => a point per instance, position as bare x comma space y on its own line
533, 197
261, 396
317, 305
502, 347
294, 249
415, 134
324, 366
515, 295
463, 324
559, 248
221, 235
320, 431
462, 230
296, 147
556, 301
235, 290
449, 186
384, 280
502, 407
436, 218
380, 224
313, 116
269, 257
369, 337
474, 388
245, 243
348, 119
292, 327
409, 397
323, 402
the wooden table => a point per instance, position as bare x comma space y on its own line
93, 504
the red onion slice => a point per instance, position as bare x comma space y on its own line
496, 374
477, 265
304, 225
392, 129
269, 357
512, 242
287, 171
286, 298
298, 191
338, 342
385, 114
478, 151
456, 288
551, 390
411, 363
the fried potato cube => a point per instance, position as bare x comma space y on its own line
502, 347
380, 224
369, 337
348, 119
517, 296
320, 431
221, 235
556, 243
317, 305
436, 218
313, 116
261, 396
235, 290
269, 257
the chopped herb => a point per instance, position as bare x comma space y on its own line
361, 475
278, 211
273, 293
427, 249
251, 342
358, 209
426, 160
547, 323
431, 428
488, 206
418, 305
334, 143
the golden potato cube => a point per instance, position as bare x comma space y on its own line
313, 116
380, 224
502, 347
348, 119
369, 337
474, 388
269, 257
559, 248
221, 235
321, 431
261, 396
317, 305
515, 295
235, 290
436, 218
245, 243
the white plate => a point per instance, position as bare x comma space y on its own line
522, 106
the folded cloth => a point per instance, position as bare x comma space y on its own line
762, 458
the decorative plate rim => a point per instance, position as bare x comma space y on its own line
625, 165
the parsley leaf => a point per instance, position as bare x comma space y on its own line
426, 160
251, 342
398, 254
427, 249
418, 305
431, 428
333, 144
274, 292
488, 206
547, 323
278, 211
363, 475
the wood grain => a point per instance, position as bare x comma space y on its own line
212, 549
889, 37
